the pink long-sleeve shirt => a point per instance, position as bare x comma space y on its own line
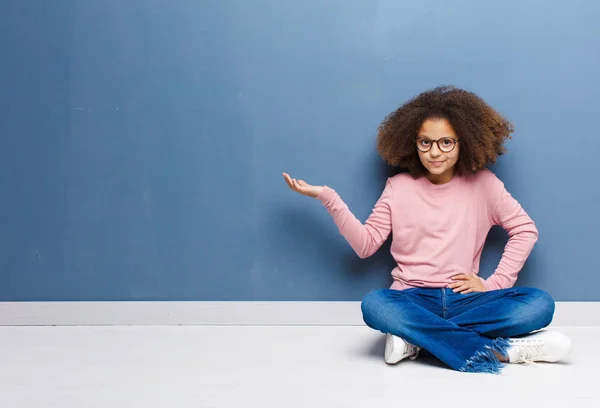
439, 231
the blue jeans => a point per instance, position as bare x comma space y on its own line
463, 331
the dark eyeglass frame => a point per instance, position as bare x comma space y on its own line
437, 142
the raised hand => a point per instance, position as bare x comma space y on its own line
302, 187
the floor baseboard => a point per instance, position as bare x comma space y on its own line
225, 313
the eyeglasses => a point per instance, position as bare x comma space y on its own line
445, 144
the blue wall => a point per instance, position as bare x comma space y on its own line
143, 142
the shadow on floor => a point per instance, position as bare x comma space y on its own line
377, 349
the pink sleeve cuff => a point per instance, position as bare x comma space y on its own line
326, 195
486, 285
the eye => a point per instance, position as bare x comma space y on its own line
447, 142
424, 142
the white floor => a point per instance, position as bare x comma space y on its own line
257, 366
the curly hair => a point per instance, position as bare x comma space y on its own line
481, 130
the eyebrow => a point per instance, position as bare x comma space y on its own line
443, 137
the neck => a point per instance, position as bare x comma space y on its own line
443, 178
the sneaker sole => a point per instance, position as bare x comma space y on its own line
389, 350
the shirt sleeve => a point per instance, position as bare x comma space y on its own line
365, 238
506, 212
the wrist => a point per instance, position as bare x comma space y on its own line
325, 194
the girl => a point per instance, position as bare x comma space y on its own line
439, 214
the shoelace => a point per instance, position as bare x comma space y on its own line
411, 351
528, 350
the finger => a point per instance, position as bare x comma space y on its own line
298, 187
302, 183
290, 183
461, 276
462, 287
287, 178
470, 290
456, 284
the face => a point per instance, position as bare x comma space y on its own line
440, 165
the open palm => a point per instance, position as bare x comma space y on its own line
302, 187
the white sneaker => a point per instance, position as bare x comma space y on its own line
397, 349
546, 346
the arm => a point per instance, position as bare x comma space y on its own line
364, 239
506, 212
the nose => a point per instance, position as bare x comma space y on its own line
435, 150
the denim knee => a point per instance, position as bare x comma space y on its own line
537, 309
370, 304
380, 309
370, 300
